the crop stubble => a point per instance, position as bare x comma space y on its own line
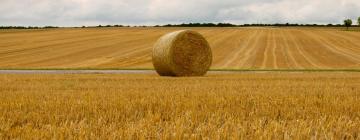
241, 48
247, 105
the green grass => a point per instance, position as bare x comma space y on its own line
351, 29
291, 70
84, 68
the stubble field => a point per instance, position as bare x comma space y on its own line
146, 106
221, 105
233, 48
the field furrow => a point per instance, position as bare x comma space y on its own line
250, 53
241, 44
283, 60
274, 51
268, 42
331, 54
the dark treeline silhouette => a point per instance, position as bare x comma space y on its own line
244, 25
220, 25
29, 27
295, 24
107, 26
193, 25
198, 25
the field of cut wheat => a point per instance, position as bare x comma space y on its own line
146, 106
233, 48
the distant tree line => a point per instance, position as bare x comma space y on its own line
230, 25
109, 26
347, 23
210, 25
198, 25
248, 25
28, 27
294, 24
173, 25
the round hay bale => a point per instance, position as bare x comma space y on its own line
182, 53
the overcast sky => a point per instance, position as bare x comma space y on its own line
151, 12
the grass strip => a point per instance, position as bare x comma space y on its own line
213, 69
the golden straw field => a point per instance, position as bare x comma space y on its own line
291, 83
145, 106
239, 48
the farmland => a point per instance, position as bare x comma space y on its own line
233, 48
293, 103
146, 106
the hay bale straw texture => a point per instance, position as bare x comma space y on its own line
182, 53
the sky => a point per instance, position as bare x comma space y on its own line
153, 12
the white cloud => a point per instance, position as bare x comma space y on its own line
93, 12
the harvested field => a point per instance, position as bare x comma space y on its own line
146, 106
233, 48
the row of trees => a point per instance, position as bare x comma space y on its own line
223, 25
347, 22
24, 27
199, 25
245, 25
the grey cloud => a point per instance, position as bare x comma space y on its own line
93, 12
